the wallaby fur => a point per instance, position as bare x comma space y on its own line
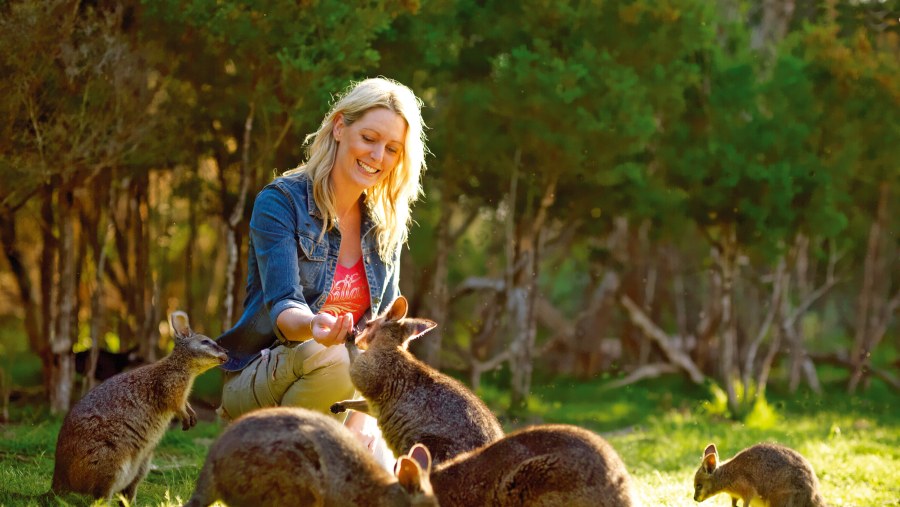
764, 474
293, 456
413, 402
546, 465
107, 439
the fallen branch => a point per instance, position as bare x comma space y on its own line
642, 372
843, 359
652, 331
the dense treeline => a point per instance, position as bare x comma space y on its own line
639, 186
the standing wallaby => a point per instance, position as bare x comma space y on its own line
293, 456
413, 402
546, 465
770, 474
107, 439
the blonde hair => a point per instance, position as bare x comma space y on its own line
389, 202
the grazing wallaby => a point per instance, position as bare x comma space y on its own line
294, 456
413, 402
762, 474
107, 439
547, 465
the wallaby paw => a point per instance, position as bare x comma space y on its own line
188, 422
338, 408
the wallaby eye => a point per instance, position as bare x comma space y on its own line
208, 342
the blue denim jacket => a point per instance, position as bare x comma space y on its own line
290, 267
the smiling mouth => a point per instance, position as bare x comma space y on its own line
367, 168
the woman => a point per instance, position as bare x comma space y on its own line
324, 253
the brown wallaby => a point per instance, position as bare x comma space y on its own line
107, 439
413, 402
294, 456
546, 465
767, 474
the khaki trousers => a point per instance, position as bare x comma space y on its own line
307, 375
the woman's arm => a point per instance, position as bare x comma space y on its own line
273, 233
297, 324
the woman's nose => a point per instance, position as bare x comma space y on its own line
377, 153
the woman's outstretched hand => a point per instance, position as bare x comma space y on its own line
330, 330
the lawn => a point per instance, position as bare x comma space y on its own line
659, 427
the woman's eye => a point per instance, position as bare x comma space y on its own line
393, 150
367, 139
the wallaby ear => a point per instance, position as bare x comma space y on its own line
422, 456
409, 475
397, 309
419, 327
710, 459
181, 325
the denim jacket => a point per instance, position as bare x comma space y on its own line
290, 267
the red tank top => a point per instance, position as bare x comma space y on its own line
349, 292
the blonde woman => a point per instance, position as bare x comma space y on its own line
324, 253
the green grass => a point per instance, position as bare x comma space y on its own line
660, 429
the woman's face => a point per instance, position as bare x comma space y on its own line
368, 149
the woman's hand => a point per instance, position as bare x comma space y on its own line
330, 330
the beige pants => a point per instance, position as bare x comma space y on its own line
308, 375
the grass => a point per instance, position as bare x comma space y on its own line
659, 428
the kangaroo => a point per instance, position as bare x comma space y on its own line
413, 402
545, 465
107, 439
294, 456
764, 474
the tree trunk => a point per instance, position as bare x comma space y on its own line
873, 309
780, 285
36, 339
140, 267
437, 300
521, 299
48, 281
231, 236
63, 374
773, 25
726, 261
193, 200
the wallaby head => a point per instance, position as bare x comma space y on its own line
202, 350
412, 473
704, 476
393, 329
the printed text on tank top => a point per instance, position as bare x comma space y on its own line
349, 292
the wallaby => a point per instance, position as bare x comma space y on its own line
767, 474
295, 456
413, 402
107, 439
546, 465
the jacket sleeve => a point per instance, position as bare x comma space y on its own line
273, 233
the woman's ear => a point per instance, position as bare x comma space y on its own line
338, 129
